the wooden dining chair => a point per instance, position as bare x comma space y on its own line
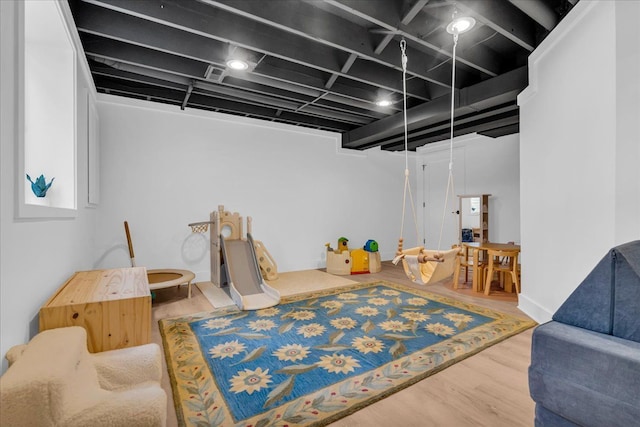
464, 260
508, 265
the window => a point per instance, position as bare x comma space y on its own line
47, 111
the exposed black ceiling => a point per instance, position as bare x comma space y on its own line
323, 64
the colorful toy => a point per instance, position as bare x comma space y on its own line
343, 262
375, 266
343, 244
371, 246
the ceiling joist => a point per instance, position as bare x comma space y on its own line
322, 64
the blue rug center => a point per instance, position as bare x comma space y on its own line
262, 359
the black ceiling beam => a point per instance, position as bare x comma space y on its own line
495, 91
125, 71
502, 131
144, 58
130, 29
418, 133
217, 104
351, 94
119, 70
236, 107
473, 126
319, 26
501, 121
282, 104
148, 58
504, 18
139, 90
406, 18
381, 13
538, 11
220, 24
345, 69
117, 26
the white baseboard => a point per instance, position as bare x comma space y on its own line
534, 310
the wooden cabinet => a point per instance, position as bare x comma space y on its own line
474, 216
114, 306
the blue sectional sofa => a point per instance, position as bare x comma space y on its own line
585, 363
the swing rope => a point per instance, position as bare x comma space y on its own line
407, 185
450, 181
450, 185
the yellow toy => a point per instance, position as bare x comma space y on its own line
360, 261
343, 245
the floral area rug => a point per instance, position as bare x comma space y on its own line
320, 356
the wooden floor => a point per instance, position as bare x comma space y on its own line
487, 389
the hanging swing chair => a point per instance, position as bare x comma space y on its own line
424, 266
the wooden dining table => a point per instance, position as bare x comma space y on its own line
479, 248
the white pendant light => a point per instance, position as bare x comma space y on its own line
237, 64
460, 24
384, 103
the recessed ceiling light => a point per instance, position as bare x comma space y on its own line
237, 64
461, 25
384, 103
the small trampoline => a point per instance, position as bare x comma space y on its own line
164, 277
167, 278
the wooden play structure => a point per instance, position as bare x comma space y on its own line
240, 262
165, 277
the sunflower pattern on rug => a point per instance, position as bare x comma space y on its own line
320, 356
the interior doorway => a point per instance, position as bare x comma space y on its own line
435, 175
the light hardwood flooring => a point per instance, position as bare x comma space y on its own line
487, 389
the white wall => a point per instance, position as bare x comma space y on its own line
579, 150
36, 256
481, 165
163, 168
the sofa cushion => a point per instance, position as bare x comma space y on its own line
608, 299
589, 378
545, 417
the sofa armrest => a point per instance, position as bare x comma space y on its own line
121, 368
589, 378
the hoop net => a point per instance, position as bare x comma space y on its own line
200, 227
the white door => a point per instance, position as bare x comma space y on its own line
435, 175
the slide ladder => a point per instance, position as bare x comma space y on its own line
265, 260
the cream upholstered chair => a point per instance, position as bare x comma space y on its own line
54, 381
502, 261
